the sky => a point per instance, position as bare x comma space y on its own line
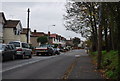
42, 16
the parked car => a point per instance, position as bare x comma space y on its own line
0, 52
44, 49
22, 48
62, 50
57, 51
8, 51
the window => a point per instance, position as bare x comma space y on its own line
0, 46
15, 31
9, 47
3, 47
24, 45
16, 44
54, 38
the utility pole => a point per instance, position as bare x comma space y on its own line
28, 26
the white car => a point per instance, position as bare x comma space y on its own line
22, 48
44, 50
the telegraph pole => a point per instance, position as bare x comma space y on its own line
28, 26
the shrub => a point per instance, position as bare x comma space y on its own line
109, 62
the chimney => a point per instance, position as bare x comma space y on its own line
35, 31
48, 33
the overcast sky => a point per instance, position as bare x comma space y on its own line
42, 16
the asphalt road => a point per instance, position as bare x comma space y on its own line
44, 67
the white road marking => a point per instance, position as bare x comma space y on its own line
77, 55
20, 65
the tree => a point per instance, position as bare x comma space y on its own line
76, 41
99, 23
100, 38
82, 17
42, 39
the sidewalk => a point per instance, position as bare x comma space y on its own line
84, 69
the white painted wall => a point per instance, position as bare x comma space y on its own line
62, 42
23, 38
9, 35
1, 28
1, 32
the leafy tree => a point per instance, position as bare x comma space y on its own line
42, 39
76, 41
83, 18
99, 23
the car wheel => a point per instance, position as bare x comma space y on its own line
30, 56
37, 54
13, 57
23, 56
50, 54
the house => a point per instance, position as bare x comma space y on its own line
23, 35
12, 30
33, 37
69, 42
57, 39
2, 22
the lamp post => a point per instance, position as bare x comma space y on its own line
50, 26
49, 33
28, 26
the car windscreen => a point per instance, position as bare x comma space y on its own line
43, 45
16, 44
0, 46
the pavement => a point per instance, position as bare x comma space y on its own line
82, 67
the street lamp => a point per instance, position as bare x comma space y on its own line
50, 26
49, 33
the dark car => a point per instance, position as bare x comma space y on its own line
44, 50
8, 51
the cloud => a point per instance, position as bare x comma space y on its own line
42, 16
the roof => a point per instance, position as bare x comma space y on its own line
24, 31
53, 35
3, 15
11, 23
56, 35
37, 34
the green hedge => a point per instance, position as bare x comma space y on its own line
109, 63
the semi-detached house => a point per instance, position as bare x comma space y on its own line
2, 22
57, 39
34, 36
23, 35
12, 30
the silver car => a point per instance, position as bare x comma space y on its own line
22, 48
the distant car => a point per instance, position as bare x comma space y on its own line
44, 49
62, 50
57, 51
66, 49
8, 51
22, 48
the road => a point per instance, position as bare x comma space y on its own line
45, 67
